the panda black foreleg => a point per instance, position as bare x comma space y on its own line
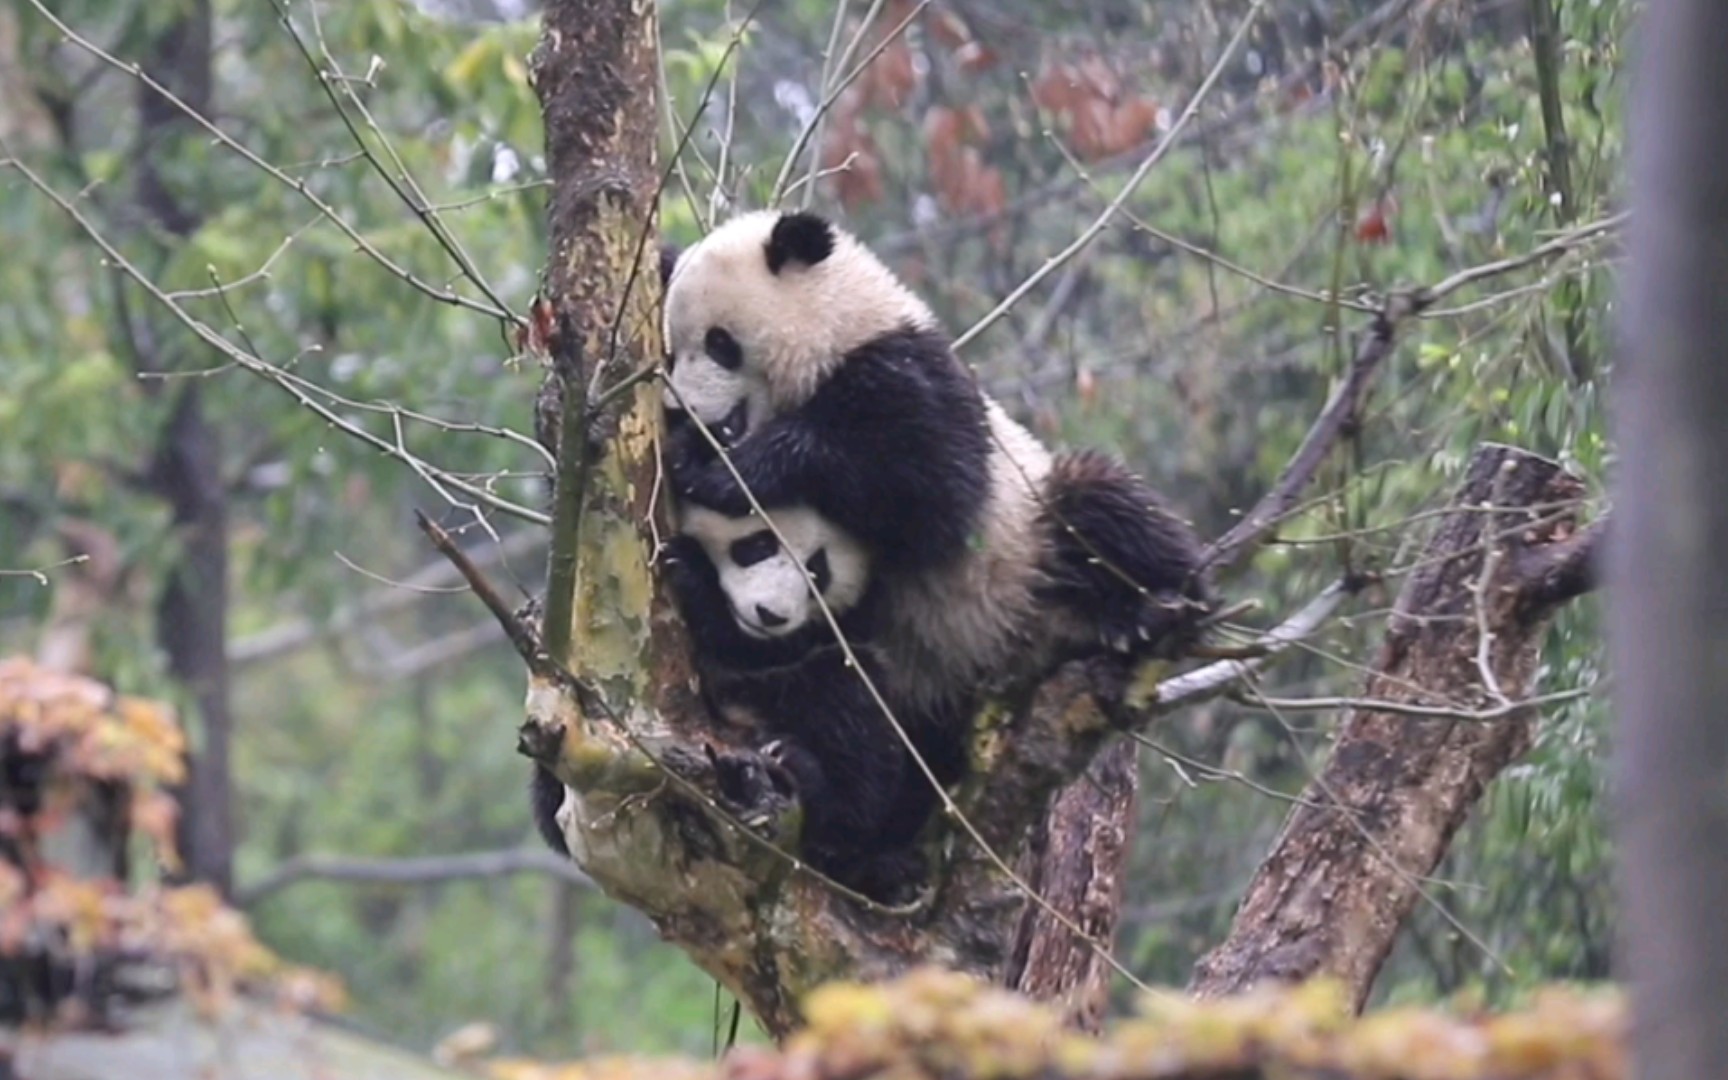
1122, 559
893, 447
845, 761
545, 796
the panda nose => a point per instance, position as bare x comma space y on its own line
769, 619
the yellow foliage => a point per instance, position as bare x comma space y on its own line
93, 731
84, 733
935, 1024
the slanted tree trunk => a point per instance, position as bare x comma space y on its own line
1348, 867
1668, 628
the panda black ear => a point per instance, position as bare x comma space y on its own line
669, 254
799, 237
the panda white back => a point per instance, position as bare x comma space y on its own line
951, 629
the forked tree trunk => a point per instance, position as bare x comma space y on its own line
613, 713
1350, 863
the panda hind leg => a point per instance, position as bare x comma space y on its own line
1122, 561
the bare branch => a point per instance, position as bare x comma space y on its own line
1217, 678
1337, 419
294, 184
434, 579
422, 870
524, 639
299, 389
1099, 223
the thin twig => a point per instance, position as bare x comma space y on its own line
1405, 708
1132, 184
294, 184
289, 383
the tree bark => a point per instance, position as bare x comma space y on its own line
1348, 867
1076, 862
1668, 623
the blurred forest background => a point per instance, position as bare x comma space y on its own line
356, 788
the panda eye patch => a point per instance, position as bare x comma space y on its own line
820, 571
723, 348
753, 548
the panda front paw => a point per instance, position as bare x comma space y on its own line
714, 487
1160, 624
752, 782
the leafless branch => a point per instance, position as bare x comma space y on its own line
423, 870
1163, 147
301, 390
522, 638
433, 579
294, 184
1217, 678
1340, 415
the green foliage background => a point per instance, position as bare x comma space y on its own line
1203, 379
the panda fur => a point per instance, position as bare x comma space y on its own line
854, 401
993, 556
771, 669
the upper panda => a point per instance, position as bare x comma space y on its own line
781, 325
832, 386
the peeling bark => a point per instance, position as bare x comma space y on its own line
1077, 862
1347, 869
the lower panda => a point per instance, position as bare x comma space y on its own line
771, 667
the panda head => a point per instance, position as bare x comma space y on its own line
762, 580
764, 307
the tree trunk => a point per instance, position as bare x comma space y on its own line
1076, 862
611, 705
192, 615
1348, 867
1668, 625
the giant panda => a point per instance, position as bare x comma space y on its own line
855, 404
835, 388
772, 671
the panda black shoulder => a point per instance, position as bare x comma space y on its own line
911, 418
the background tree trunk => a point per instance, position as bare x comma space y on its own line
192, 614
1668, 628
1348, 868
